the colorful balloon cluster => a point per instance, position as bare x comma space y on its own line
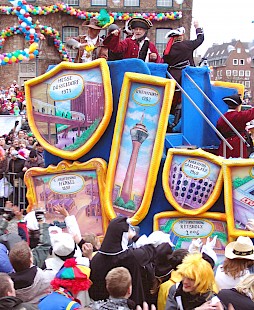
32, 31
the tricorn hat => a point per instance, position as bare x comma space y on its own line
175, 32
233, 100
139, 22
242, 248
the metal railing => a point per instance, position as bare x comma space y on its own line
14, 190
225, 142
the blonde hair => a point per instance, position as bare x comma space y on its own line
196, 268
246, 286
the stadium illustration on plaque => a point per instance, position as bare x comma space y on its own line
192, 180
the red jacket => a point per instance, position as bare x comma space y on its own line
238, 120
129, 47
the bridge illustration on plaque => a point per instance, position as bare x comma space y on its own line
70, 108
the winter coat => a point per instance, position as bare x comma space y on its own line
112, 304
5, 264
32, 284
238, 300
14, 303
238, 120
177, 297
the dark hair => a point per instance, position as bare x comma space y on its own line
5, 284
20, 256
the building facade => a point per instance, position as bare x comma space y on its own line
233, 62
68, 25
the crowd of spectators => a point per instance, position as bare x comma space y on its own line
19, 150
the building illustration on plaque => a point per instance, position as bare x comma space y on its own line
78, 192
68, 107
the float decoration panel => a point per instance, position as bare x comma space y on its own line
78, 187
137, 144
183, 228
70, 106
239, 195
192, 180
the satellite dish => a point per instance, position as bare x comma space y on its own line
230, 48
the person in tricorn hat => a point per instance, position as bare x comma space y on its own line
136, 46
178, 54
238, 119
89, 45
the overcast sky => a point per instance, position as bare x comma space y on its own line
224, 20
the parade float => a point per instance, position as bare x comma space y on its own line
103, 127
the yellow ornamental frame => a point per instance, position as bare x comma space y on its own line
175, 214
146, 80
64, 167
192, 154
228, 165
238, 86
108, 107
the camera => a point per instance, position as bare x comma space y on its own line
40, 215
8, 214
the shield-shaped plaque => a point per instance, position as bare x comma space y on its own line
69, 107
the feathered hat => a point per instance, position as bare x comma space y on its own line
101, 21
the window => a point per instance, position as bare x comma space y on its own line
217, 53
220, 72
241, 62
235, 73
71, 2
241, 72
70, 32
228, 72
247, 73
222, 52
238, 50
247, 84
161, 42
165, 3
131, 2
99, 2
235, 62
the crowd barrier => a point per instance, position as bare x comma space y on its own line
12, 188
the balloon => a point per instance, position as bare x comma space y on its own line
33, 47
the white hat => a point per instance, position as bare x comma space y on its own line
241, 248
175, 32
249, 125
63, 244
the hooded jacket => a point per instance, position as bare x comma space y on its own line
114, 252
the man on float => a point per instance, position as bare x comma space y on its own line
137, 45
178, 55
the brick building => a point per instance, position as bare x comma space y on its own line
233, 62
69, 26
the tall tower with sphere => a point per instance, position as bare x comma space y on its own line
139, 133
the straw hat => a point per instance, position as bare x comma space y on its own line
241, 248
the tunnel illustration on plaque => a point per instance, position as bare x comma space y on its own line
192, 180
70, 106
78, 187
